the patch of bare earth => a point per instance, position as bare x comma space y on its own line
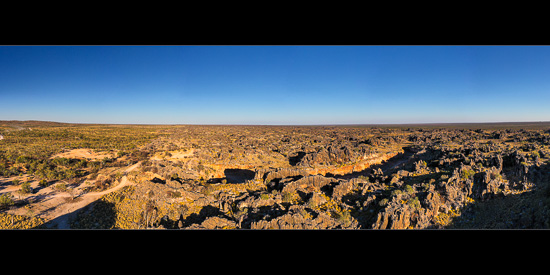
88, 154
56, 207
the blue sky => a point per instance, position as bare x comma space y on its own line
275, 84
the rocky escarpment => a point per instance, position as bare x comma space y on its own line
440, 179
425, 205
425, 194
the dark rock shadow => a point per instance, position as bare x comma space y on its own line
206, 212
293, 160
238, 175
96, 215
394, 163
157, 180
266, 213
279, 183
526, 210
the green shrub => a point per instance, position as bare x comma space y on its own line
467, 173
62, 187
343, 217
396, 192
43, 183
26, 188
408, 189
81, 164
6, 200
414, 203
288, 197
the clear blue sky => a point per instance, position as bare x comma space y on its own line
275, 84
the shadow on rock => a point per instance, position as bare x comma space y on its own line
527, 210
206, 212
294, 160
97, 215
238, 175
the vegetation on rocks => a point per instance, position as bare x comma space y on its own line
10, 221
267, 177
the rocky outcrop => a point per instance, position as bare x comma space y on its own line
214, 223
328, 156
316, 199
343, 188
394, 216
309, 183
257, 202
488, 183
431, 204
358, 178
301, 219
269, 175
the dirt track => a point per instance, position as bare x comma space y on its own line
54, 208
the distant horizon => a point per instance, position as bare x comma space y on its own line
342, 124
275, 85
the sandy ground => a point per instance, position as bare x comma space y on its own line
83, 153
54, 206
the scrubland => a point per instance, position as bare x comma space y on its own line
55, 175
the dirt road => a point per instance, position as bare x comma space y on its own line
54, 207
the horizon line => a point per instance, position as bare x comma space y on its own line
332, 124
